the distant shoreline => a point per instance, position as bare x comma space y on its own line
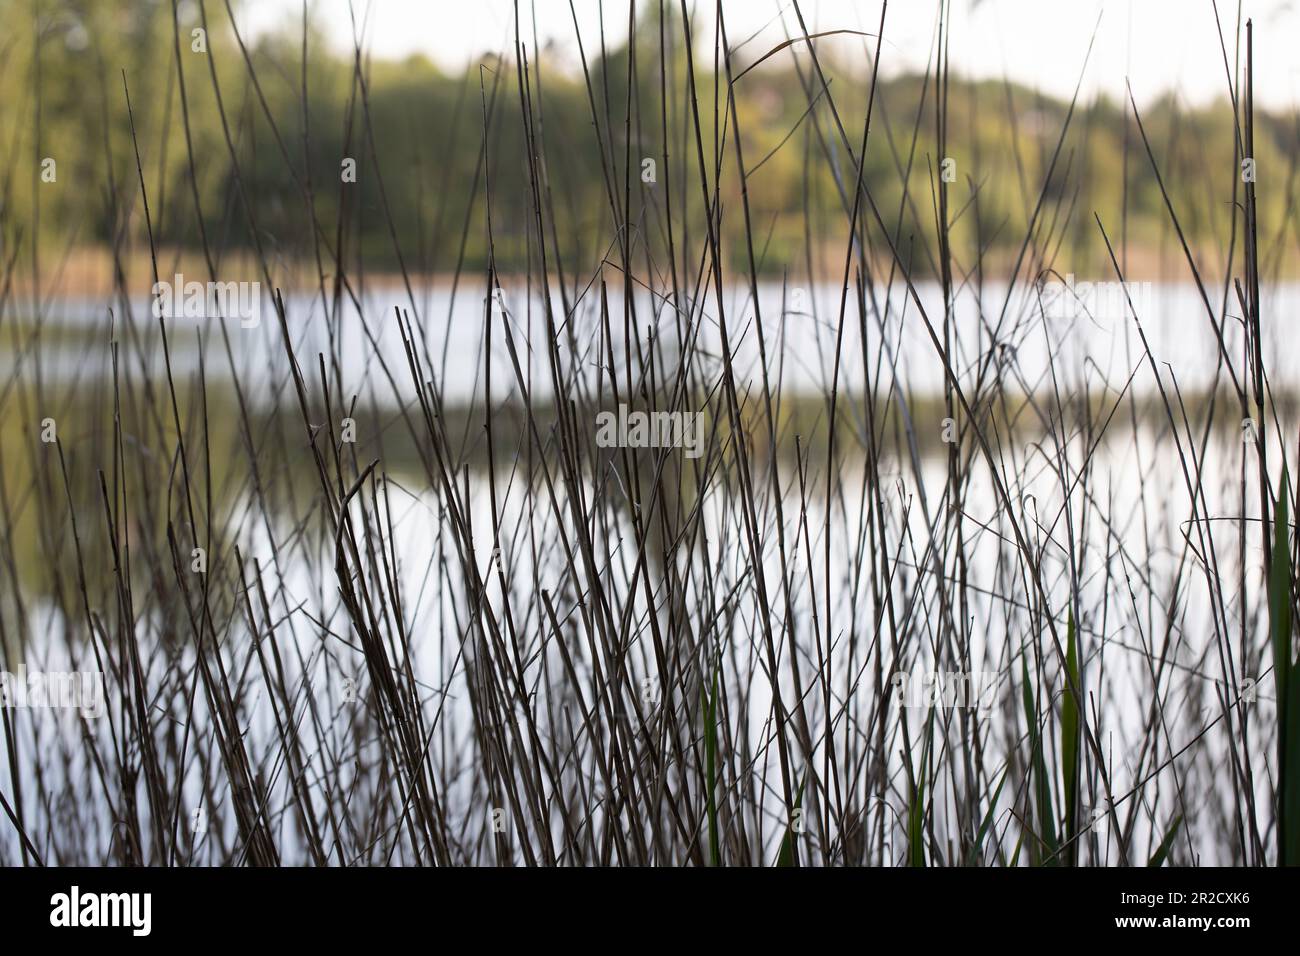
88, 272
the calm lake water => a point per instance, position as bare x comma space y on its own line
1088, 334
1137, 557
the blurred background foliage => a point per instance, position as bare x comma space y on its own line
417, 135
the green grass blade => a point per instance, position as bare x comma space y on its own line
1070, 735
1279, 594
1042, 787
978, 848
916, 823
1280, 578
711, 770
786, 856
1162, 852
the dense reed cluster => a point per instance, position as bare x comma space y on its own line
638, 555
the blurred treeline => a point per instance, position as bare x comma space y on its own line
416, 133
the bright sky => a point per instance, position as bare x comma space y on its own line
1156, 44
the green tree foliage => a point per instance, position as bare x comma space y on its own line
416, 134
